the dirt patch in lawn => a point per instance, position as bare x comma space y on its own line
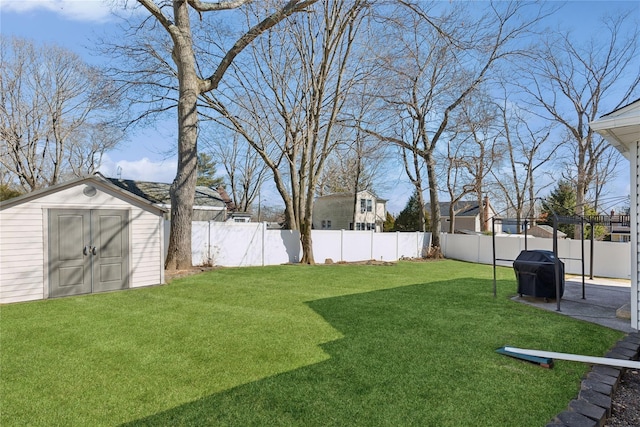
170, 275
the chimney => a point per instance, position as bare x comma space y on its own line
225, 198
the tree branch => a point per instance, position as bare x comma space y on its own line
290, 7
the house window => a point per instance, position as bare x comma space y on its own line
369, 205
366, 205
324, 224
362, 226
328, 224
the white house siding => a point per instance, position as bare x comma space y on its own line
338, 208
23, 241
635, 244
621, 128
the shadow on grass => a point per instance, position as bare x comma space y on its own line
417, 355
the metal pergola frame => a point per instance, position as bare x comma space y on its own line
556, 220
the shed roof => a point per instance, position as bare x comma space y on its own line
96, 180
158, 193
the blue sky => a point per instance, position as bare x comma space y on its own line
73, 24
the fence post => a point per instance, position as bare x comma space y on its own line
209, 254
264, 238
371, 246
341, 244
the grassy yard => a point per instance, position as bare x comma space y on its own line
408, 344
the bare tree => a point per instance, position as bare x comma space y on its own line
58, 115
413, 163
570, 80
290, 114
528, 151
457, 179
605, 172
245, 170
477, 122
344, 172
175, 19
438, 60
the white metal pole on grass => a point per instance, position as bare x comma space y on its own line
577, 358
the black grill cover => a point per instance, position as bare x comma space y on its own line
535, 273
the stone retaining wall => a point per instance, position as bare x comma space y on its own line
593, 404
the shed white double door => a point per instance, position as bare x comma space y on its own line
88, 251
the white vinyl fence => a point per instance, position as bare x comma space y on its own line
611, 259
252, 244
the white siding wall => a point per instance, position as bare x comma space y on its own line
24, 251
21, 254
634, 157
339, 210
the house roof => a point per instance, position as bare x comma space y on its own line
462, 208
620, 127
96, 180
349, 195
158, 193
546, 229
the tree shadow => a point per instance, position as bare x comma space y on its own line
415, 355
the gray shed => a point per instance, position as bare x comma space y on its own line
83, 236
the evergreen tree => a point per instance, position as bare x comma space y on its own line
409, 218
389, 223
562, 201
7, 192
207, 172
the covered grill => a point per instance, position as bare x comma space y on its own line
535, 273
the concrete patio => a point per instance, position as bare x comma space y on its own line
606, 302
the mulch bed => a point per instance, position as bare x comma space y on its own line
625, 402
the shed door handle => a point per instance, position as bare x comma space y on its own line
85, 251
93, 250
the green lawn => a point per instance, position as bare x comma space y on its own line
408, 344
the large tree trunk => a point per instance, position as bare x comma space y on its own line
307, 244
421, 212
184, 184
581, 187
307, 225
434, 250
452, 217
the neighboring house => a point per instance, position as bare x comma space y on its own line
621, 128
619, 227
336, 212
544, 231
467, 216
209, 204
79, 237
